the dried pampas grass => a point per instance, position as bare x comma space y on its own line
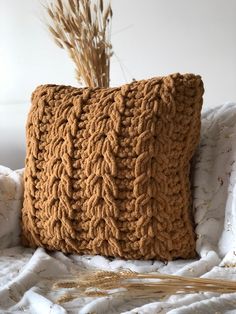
135, 285
83, 28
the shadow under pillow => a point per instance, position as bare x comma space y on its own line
107, 170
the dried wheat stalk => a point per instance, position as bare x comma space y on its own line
83, 28
104, 283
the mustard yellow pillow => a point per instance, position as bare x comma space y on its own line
107, 170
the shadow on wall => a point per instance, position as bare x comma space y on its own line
12, 135
12, 157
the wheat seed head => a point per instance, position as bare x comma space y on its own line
83, 29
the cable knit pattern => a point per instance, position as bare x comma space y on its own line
107, 170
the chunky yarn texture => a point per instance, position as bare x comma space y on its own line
107, 170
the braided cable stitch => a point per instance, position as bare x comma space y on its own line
107, 170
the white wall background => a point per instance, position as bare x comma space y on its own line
150, 38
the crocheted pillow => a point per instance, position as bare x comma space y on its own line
107, 170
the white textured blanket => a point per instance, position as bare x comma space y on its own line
26, 274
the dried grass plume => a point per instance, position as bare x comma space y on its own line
83, 28
137, 285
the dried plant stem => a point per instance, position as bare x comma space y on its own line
83, 28
138, 285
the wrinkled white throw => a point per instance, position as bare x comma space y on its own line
26, 274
